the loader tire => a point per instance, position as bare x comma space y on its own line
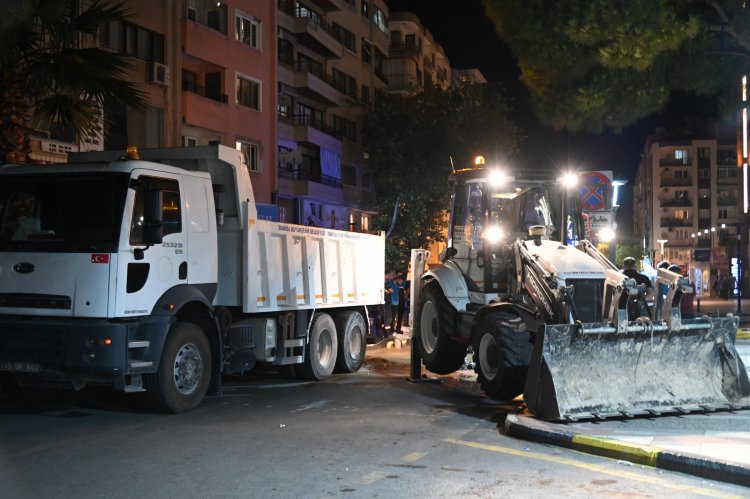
501, 357
351, 330
434, 324
322, 347
184, 371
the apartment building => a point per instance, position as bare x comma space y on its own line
330, 65
415, 59
686, 202
208, 70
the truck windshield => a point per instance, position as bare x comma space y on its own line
73, 213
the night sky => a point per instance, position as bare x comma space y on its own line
469, 41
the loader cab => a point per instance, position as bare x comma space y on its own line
490, 210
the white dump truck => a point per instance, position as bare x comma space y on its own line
151, 271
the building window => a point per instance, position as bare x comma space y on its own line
704, 193
344, 36
704, 214
344, 83
248, 30
366, 51
209, 13
248, 92
250, 154
188, 141
345, 128
704, 173
378, 17
682, 234
132, 40
704, 152
681, 174
365, 94
681, 214
366, 9
348, 175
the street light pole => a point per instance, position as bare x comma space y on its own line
661, 242
739, 271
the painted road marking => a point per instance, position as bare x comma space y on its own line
414, 456
592, 467
373, 477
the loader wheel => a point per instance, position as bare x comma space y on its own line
350, 326
434, 323
184, 371
501, 358
320, 354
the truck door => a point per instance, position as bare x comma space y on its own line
149, 271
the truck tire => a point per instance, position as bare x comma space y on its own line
434, 323
501, 357
320, 354
184, 371
351, 329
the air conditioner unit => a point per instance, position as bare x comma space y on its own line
158, 73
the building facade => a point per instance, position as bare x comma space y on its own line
686, 203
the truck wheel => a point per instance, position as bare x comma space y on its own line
351, 330
320, 354
435, 321
501, 358
184, 371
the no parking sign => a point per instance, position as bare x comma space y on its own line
595, 189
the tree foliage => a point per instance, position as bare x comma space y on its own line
596, 64
412, 140
52, 73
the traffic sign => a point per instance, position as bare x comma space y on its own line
595, 190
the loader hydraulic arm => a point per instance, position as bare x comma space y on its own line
539, 281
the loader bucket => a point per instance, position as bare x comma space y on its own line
589, 371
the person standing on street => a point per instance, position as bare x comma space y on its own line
392, 290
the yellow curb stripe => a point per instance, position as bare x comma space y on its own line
743, 335
650, 479
616, 449
414, 456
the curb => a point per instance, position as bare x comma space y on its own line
638, 454
743, 335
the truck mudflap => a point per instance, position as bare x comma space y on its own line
591, 371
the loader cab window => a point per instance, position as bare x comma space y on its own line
171, 207
468, 219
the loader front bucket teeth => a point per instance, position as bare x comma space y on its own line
589, 371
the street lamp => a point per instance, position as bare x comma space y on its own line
662, 242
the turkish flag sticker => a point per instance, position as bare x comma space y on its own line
99, 258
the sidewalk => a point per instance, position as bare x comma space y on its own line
715, 446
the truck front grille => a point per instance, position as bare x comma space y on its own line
26, 300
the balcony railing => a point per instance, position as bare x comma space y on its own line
402, 49
207, 93
676, 182
726, 201
672, 203
675, 222
674, 162
317, 69
302, 173
310, 121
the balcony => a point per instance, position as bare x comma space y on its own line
675, 203
675, 222
674, 162
310, 130
727, 176
726, 201
402, 49
676, 182
311, 29
216, 95
403, 82
307, 175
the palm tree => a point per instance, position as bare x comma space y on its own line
53, 74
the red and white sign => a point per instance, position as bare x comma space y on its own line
100, 258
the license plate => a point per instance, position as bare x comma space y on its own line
23, 367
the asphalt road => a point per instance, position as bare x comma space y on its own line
370, 434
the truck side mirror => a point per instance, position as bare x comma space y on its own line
153, 222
